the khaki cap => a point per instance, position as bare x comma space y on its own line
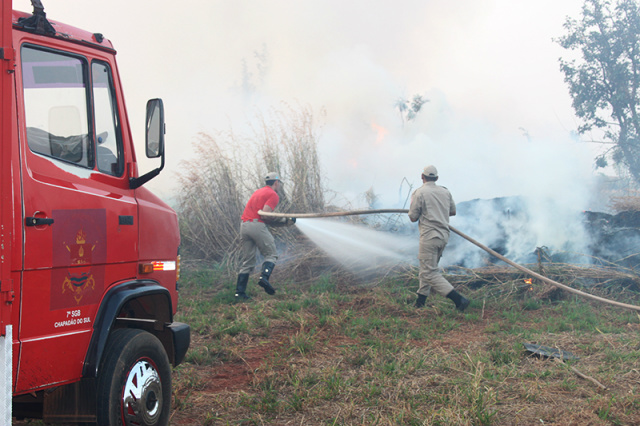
430, 171
272, 176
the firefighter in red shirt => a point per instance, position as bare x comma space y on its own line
255, 234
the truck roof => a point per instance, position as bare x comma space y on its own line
66, 32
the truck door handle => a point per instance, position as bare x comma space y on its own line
37, 221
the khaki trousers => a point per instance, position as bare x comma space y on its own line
255, 235
430, 276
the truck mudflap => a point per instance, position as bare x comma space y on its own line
175, 337
181, 340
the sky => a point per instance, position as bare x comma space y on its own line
498, 122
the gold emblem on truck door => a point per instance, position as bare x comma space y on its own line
79, 257
79, 280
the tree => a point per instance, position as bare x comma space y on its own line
409, 109
604, 81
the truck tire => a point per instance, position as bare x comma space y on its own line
134, 381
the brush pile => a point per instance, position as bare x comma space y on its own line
603, 281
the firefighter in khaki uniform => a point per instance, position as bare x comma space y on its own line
255, 234
432, 205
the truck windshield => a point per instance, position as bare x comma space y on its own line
55, 102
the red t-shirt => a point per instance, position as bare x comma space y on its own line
264, 196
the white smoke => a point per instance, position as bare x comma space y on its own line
498, 121
488, 70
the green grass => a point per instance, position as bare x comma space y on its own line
327, 353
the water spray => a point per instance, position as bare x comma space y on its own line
466, 237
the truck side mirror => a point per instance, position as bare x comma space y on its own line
154, 142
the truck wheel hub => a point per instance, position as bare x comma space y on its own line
142, 395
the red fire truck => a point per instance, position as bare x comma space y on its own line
89, 258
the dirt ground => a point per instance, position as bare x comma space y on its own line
207, 395
220, 385
237, 377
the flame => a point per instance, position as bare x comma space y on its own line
529, 283
381, 132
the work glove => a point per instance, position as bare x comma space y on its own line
288, 221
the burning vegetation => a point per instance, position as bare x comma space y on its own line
229, 167
341, 344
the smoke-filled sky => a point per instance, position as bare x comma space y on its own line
498, 121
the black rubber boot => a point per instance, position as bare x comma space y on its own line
241, 287
420, 301
267, 268
461, 302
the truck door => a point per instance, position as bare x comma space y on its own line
6, 212
80, 216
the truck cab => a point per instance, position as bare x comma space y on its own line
89, 256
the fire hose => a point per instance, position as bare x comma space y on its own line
466, 237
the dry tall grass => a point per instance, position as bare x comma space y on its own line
229, 166
627, 202
288, 144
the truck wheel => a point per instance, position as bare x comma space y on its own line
134, 381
